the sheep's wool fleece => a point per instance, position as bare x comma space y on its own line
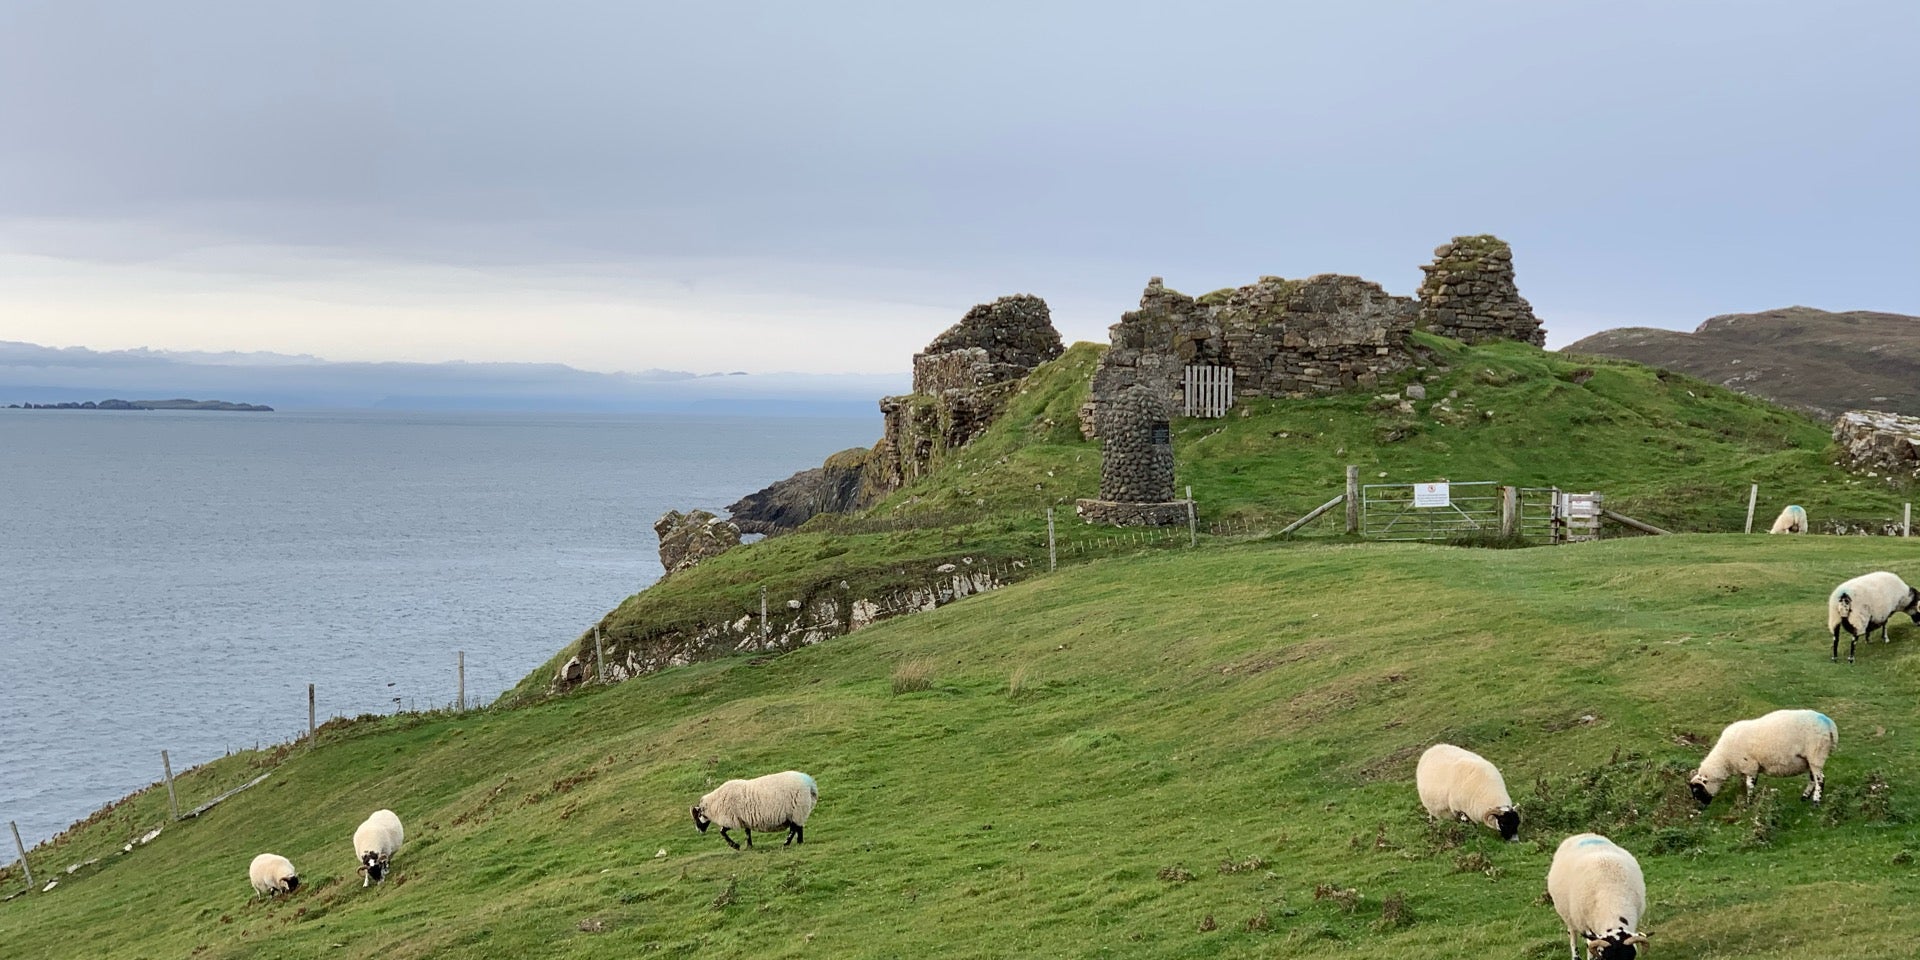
381, 834
1456, 781
269, 872
763, 803
1596, 886
1782, 742
1791, 520
1876, 597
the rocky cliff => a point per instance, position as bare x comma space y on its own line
961, 382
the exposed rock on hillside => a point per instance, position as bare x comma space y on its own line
837, 486
688, 538
961, 382
1469, 294
1877, 442
1813, 360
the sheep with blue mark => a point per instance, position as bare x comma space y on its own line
1599, 892
1784, 743
774, 802
1791, 520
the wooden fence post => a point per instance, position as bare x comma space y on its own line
1906, 520
310, 726
22, 849
1753, 496
1353, 499
1509, 512
600, 652
1053, 555
1193, 528
173, 801
763, 614
461, 667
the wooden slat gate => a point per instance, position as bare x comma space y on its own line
1208, 391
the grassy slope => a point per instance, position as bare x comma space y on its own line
1665, 448
1259, 704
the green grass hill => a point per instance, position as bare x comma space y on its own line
1157, 751
1175, 754
1664, 448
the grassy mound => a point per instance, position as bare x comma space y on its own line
1665, 448
1202, 753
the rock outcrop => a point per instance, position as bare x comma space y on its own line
1469, 294
1879, 443
688, 538
837, 486
961, 383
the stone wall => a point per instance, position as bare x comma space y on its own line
1469, 294
1136, 457
1878, 443
1297, 338
1283, 338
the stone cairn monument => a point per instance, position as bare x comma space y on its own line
1469, 294
1136, 463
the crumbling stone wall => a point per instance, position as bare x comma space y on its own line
1880, 443
1283, 338
1469, 294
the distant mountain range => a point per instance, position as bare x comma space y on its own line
1820, 362
30, 372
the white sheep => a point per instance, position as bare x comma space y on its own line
775, 801
1784, 743
1791, 520
1460, 783
375, 843
272, 873
1599, 893
1868, 601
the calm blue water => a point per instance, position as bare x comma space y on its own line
175, 580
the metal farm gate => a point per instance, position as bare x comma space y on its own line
1553, 515
1429, 511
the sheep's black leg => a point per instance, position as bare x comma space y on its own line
795, 833
1854, 641
1836, 643
749, 831
730, 841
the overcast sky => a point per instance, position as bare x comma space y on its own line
824, 186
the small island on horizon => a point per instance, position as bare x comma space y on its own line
175, 404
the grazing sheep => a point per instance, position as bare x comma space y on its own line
1869, 601
1599, 893
1460, 783
272, 873
1784, 743
772, 802
1791, 520
375, 843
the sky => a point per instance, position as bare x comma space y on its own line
823, 187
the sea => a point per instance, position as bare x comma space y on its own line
175, 580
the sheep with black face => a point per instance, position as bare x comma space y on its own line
774, 802
1460, 783
1784, 743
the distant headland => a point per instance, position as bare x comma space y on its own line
178, 404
